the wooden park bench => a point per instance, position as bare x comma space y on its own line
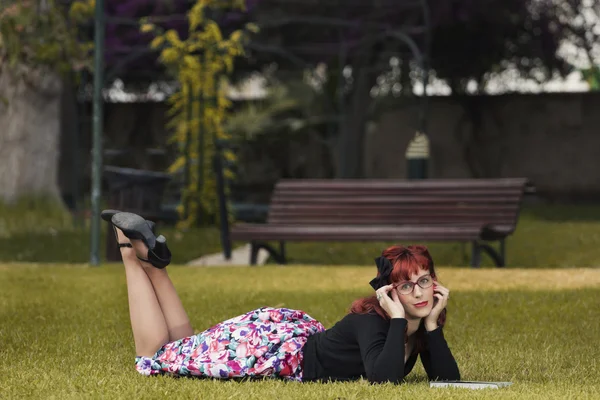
478, 211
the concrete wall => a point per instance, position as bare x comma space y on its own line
552, 139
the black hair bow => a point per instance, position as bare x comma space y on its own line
384, 267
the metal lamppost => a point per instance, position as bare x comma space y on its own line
97, 128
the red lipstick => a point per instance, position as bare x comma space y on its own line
422, 304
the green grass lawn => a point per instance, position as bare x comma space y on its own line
64, 330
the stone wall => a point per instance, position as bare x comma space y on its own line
552, 139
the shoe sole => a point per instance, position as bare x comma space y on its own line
108, 214
134, 227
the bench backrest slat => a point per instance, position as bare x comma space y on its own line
397, 202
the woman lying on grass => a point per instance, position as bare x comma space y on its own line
379, 339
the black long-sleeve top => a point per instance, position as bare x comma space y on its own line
369, 346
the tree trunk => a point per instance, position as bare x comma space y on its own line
29, 133
483, 151
351, 138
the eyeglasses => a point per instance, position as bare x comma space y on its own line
407, 287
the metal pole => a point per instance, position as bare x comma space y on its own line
187, 177
97, 131
223, 211
341, 102
75, 134
200, 144
425, 66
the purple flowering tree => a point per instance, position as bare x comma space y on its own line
128, 55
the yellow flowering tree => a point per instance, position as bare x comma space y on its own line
201, 64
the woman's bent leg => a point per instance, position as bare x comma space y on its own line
148, 323
178, 323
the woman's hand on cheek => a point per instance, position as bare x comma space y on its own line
392, 306
441, 294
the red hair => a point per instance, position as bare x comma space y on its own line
406, 262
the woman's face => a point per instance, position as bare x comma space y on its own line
418, 302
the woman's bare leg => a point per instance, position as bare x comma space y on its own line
148, 323
178, 323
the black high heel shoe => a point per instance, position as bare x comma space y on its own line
136, 227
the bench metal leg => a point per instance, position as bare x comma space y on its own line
278, 256
498, 256
253, 252
282, 252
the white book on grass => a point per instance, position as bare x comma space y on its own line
469, 384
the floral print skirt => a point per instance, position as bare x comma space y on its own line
266, 342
